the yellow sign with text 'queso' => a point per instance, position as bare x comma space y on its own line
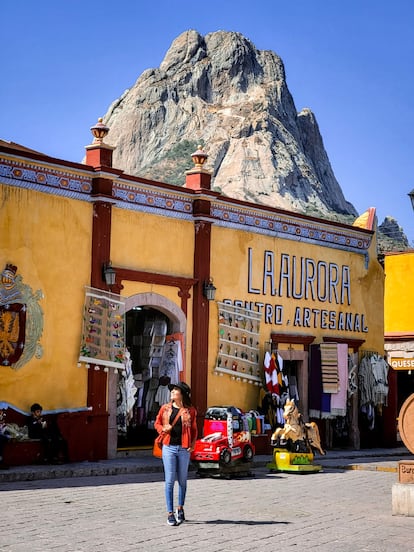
402, 363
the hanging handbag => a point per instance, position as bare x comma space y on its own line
159, 440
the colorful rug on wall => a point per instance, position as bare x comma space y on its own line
103, 331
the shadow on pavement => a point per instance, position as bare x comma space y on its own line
237, 522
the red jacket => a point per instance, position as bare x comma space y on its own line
188, 420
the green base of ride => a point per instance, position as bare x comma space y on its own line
296, 462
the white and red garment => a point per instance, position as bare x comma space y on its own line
271, 373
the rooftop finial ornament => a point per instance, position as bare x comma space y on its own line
99, 131
199, 157
198, 178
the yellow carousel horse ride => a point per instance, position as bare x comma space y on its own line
294, 443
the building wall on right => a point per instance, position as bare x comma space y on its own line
399, 329
399, 292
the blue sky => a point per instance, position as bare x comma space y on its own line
64, 62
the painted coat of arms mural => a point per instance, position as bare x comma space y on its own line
21, 320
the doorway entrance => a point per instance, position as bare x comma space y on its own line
290, 369
141, 390
295, 365
136, 430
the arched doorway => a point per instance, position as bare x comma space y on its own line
155, 339
161, 303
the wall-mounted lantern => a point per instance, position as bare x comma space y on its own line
209, 290
109, 274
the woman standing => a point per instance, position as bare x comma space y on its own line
177, 420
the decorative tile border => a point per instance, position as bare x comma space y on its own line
147, 199
48, 179
165, 202
287, 227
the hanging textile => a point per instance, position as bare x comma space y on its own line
319, 402
352, 374
163, 395
373, 380
103, 333
277, 389
280, 373
366, 382
271, 375
329, 363
338, 400
171, 361
126, 395
380, 370
326, 406
372, 386
179, 337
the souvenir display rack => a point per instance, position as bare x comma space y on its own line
103, 334
238, 354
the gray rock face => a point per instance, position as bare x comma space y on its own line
222, 92
391, 236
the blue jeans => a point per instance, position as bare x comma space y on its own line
175, 460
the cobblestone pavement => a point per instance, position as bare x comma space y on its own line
335, 510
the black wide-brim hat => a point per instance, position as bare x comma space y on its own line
183, 387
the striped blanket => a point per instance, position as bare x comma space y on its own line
329, 365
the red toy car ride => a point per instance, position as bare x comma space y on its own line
226, 442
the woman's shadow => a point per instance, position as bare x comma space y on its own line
238, 522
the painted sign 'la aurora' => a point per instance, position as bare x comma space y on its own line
302, 278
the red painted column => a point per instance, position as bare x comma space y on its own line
199, 180
99, 156
97, 379
201, 314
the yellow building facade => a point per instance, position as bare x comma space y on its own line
292, 281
